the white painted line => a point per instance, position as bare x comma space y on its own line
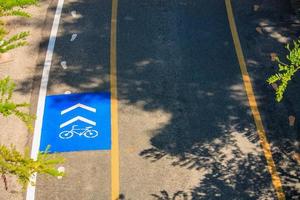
78, 118
79, 105
30, 195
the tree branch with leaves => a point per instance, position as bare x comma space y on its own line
9, 107
23, 167
286, 71
13, 8
13, 162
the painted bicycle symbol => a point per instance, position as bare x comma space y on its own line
86, 132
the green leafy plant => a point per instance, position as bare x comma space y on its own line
23, 167
286, 71
13, 42
12, 162
9, 107
13, 8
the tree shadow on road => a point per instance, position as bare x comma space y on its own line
178, 56
269, 27
87, 57
174, 56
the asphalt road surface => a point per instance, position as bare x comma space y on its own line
185, 127
86, 62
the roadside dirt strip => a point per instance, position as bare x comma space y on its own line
22, 70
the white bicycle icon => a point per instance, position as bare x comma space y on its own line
87, 132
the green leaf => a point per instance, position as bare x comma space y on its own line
285, 71
9, 107
13, 42
23, 167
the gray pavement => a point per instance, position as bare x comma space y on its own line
87, 69
185, 126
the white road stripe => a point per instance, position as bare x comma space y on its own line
76, 119
42, 95
79, 105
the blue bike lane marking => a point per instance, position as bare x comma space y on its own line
77, 122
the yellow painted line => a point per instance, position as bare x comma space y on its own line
253, 105
115, 171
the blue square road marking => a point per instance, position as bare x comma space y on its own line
77, 122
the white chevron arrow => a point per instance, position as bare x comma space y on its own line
79, 105
78, 118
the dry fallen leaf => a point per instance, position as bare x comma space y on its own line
259, 29
273, 56
256, 7
292, 120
